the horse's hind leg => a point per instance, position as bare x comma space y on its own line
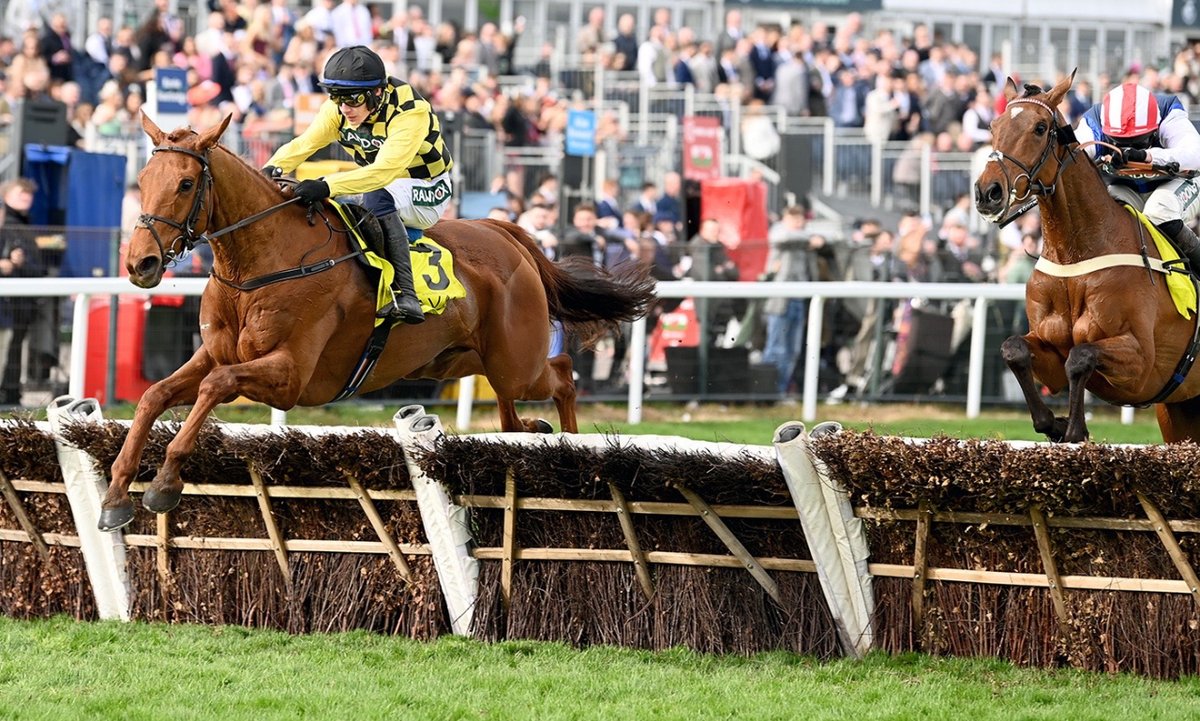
1179, 422
179, 388
564, 392
1019, 358
271, 379
554, 381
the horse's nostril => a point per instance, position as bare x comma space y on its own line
994, 193
147, 265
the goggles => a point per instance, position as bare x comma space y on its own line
353, 100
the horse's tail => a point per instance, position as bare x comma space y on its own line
588, 299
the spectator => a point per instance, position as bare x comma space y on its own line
789, 260
591, 36
351, 22
652, 57
55, 47
732, 33
22, 258
977, 120
584, 238
625, 44
608, 207
537, 221
707, 259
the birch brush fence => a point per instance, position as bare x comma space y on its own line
824, 542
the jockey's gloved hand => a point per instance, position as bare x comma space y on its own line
312, 191
272, 171
1131, 155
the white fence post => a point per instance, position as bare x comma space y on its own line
446, 524
835, 537
103, 553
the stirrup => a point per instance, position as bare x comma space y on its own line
404, 308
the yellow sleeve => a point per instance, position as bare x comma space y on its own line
322, 132
406, 132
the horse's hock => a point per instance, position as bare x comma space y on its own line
1042, 555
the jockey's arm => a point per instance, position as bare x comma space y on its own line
406, 132
1085, 134
1180, 140
322, 132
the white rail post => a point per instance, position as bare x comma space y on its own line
466, 399
812, 358
103, 553
637, 369
975, 374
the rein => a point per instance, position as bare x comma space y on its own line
1016, 205
189, 239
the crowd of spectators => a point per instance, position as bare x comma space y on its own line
254, 58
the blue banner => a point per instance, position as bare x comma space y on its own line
170, 85
581, 133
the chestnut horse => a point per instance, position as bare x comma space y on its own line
296, 342
1110, 326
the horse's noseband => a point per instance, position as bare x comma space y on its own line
1060, 134
187, 228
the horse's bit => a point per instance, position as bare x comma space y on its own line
1063, 134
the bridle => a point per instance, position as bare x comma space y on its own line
1063, 135
188, 238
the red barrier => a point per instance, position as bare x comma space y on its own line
740, 206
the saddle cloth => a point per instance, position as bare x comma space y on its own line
432, 265
1183, 290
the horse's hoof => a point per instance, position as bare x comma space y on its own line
114, 519
160, 501
541, 425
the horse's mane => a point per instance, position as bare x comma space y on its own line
1031, 90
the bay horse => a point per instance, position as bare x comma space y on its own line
1099, 318
296, 342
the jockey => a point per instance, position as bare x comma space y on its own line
395, 138
1151, 128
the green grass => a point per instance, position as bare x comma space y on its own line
61, 669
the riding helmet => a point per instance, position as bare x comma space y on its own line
1129, 111
354, 67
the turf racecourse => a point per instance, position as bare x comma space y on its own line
61, 669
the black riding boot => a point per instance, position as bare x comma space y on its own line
404, 306
1185, 240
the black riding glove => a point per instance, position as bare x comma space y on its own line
1130, 155
312, 191
272, 171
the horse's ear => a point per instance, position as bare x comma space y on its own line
156, 134
210, 137
1010, 89
1059, 91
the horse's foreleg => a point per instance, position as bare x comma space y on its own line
271, 379
1019, 358
180, 388
1081, 363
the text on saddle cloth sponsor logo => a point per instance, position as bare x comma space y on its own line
432, 195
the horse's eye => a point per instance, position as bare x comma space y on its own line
186, 184
1040, 129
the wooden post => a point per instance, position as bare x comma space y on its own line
635, 548
920, 570
163, 526
1167, 536
23, 519
264, 506
368, 506
1042, 532
731, 542
510, 536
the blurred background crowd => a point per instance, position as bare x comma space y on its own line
910, 97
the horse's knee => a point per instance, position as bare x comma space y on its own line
1082, 360
1015, 352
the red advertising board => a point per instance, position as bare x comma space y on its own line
701, 147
